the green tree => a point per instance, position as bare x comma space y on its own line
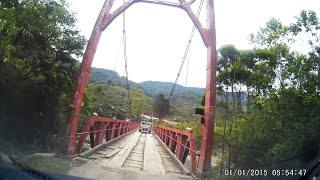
38, 40
161, 106
140, 103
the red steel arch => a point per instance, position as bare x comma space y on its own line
208, 36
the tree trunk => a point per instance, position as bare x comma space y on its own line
230, 116
224, 137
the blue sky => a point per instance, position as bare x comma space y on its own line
157, 36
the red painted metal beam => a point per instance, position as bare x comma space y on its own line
171, 140
193, 155
82, 80
179, 146
107, 20
83, 137
101, 134
209, 38
108, 133
113, 131
119, 129
203, 31
165, 3
108, 126
181, 142
210, 100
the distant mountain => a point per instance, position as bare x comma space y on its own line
109, 77
156, 87
152, 88
184, 100
104, 76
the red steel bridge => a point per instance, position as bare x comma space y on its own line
117, 143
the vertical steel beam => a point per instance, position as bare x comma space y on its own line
101, 134
116, 130
127, 127
92, 137
180, 149
210, 100
174, 143
108, 132
120, 130
193, 155
170, 140
162, 134
167, 137
185, 153
83, 137
83, 78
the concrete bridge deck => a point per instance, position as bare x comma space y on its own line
134, 156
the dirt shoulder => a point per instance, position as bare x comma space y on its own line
36, 158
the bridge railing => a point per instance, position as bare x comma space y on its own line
99, 128
181, 143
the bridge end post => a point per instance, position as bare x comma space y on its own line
204, 165
82, 80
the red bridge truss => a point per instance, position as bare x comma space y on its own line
208, 35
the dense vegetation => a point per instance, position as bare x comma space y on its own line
280, 120
268, 96
282, 117
37, 43
109, 77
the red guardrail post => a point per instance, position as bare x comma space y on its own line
193, 156
180, 142
163, 131
127, 127
171, 140
179, 146
116, 134
108, 132
101, 134
83, 136
109, 128
183, 148
174, 143
166, 137
120, 130
113, 131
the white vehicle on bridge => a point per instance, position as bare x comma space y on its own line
145, 127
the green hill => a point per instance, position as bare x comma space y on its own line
109, 77
156, 87
184, 100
